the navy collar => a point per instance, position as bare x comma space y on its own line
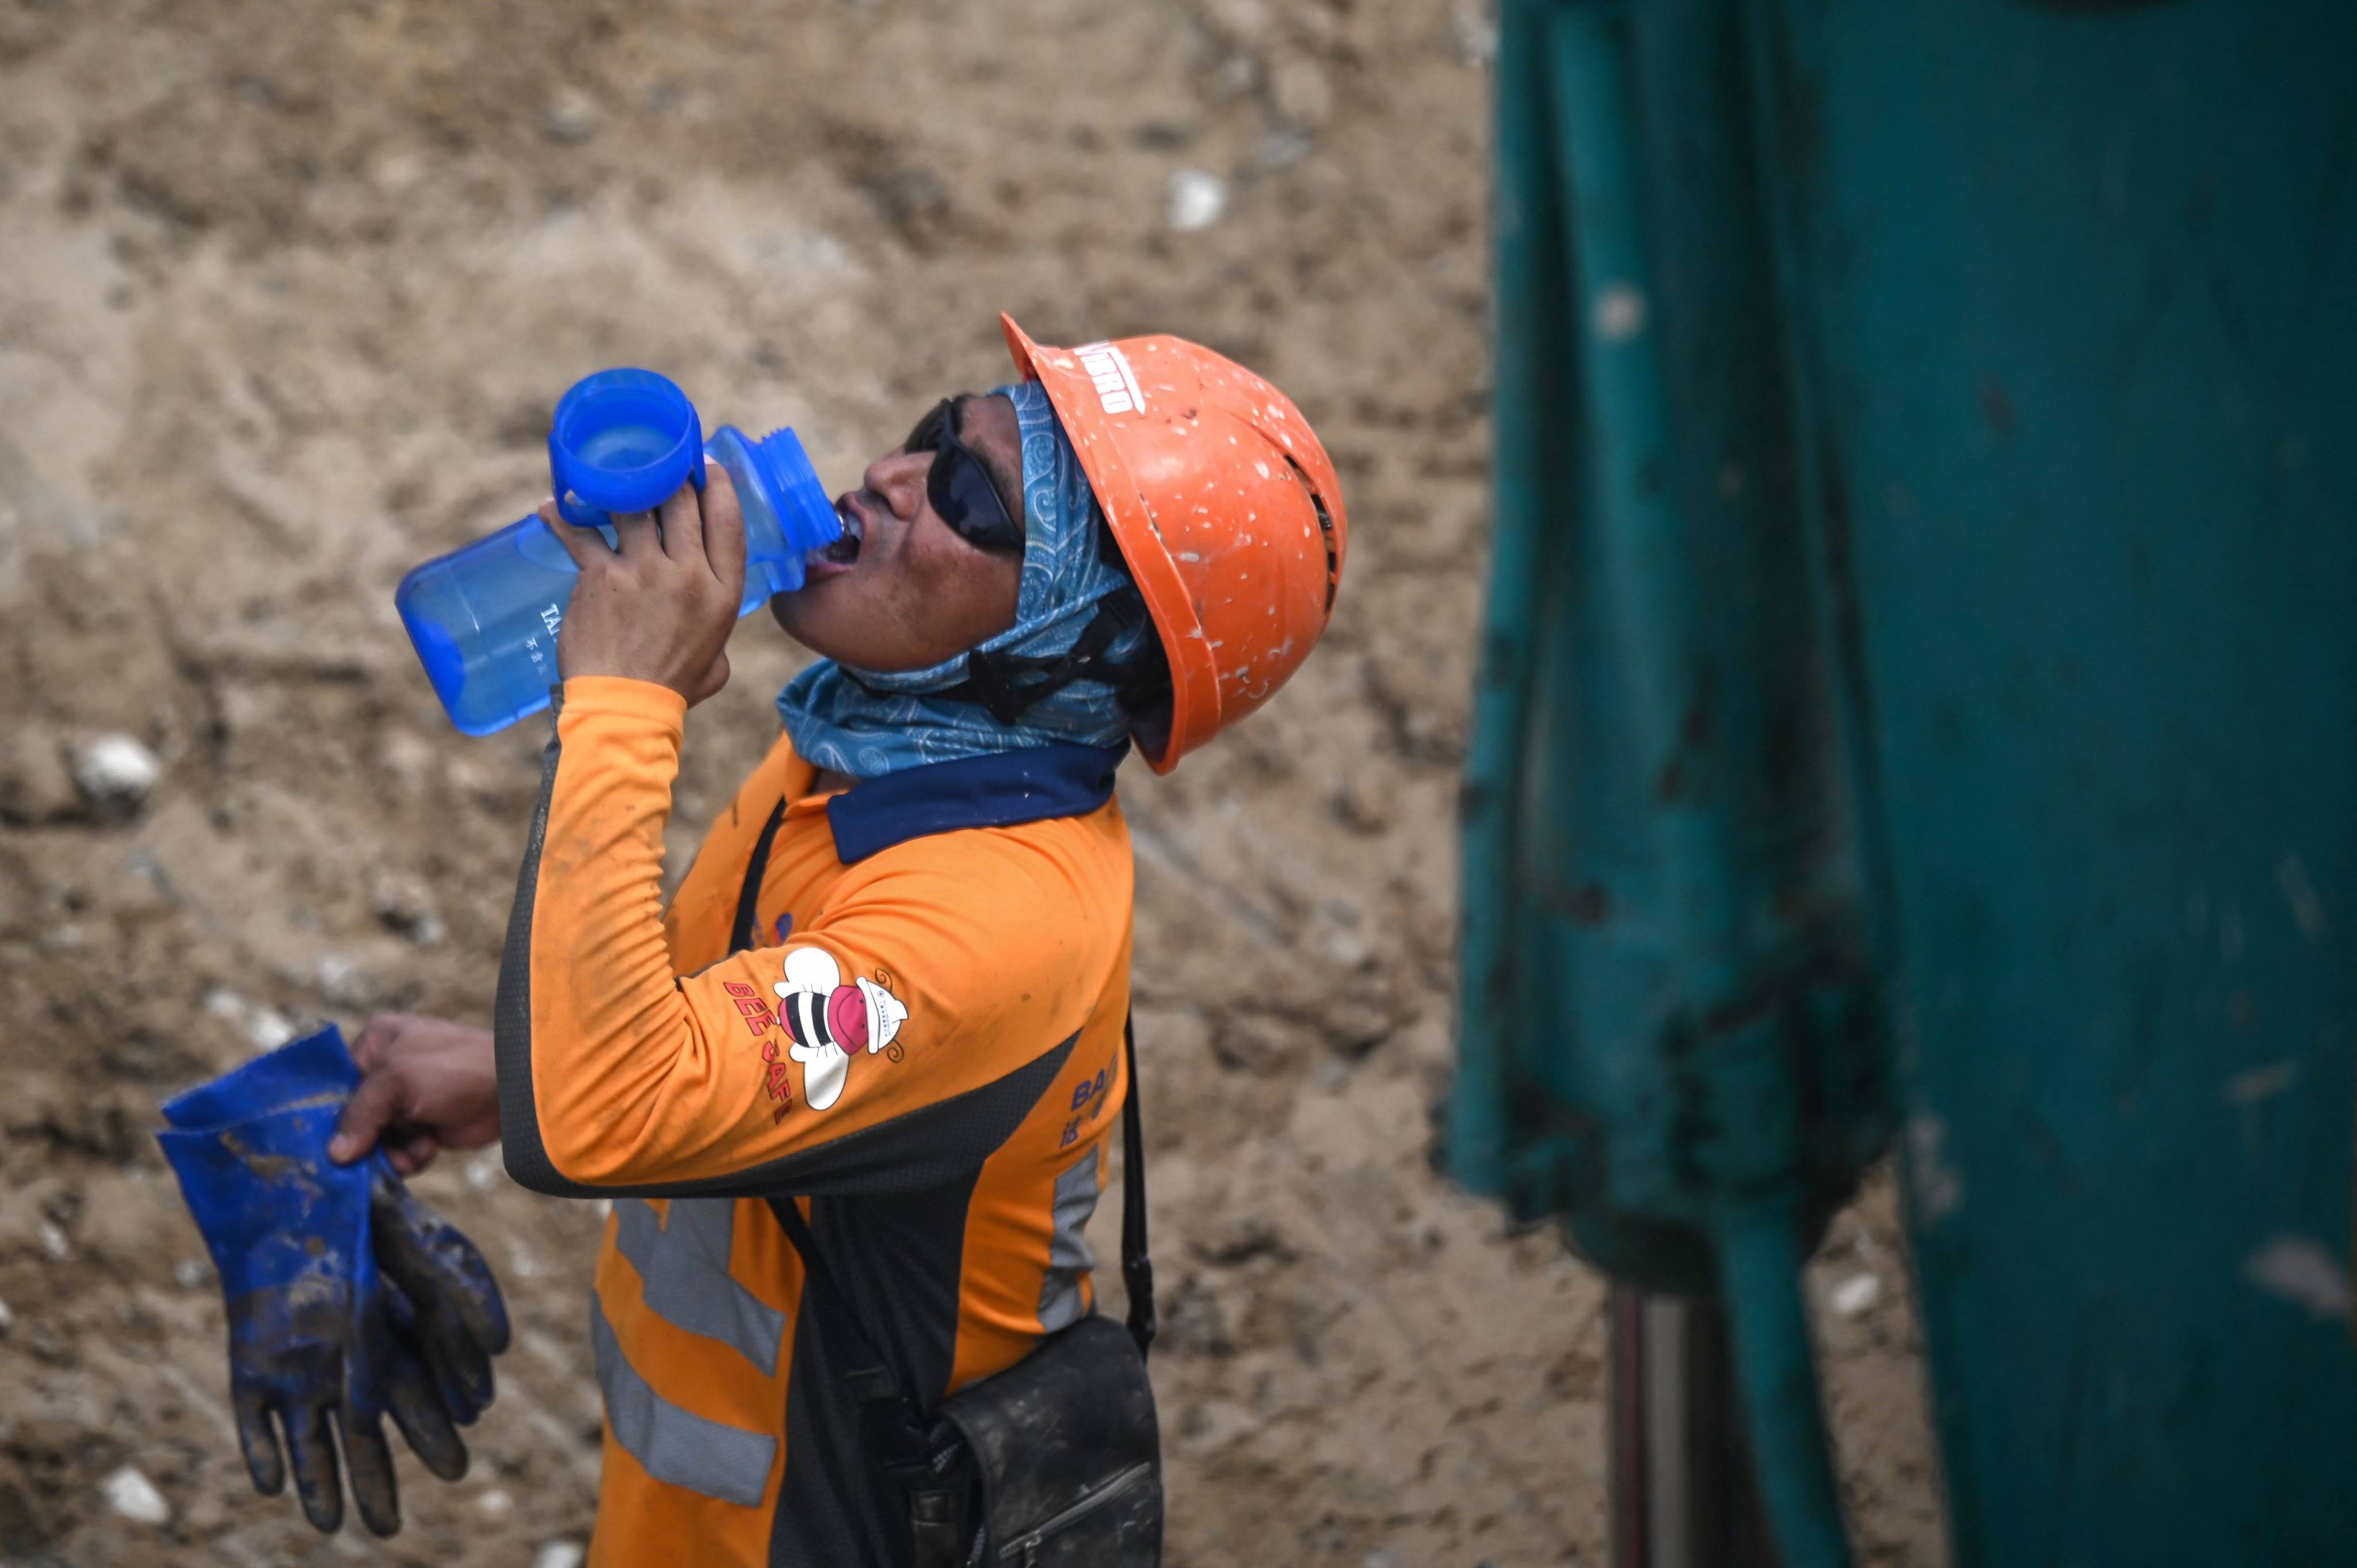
999, 790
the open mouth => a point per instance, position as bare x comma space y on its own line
843, 555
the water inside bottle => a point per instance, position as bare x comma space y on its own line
627, 447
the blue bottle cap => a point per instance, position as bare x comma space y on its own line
805, 516
622, 440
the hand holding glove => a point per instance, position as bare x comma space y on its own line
347, 1298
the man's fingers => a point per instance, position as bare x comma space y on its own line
682, 520
724, 534
663, 615
414, 1154
579, 543
636, 535
368, 1044
381, 1098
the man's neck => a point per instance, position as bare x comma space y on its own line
826, 781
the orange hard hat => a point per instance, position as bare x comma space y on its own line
1226, 509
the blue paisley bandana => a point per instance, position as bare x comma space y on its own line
881, 724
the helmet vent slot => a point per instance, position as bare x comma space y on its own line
1325, 527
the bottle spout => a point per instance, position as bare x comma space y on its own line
788, 517
805, 516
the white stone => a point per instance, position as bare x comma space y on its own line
266, 1029
495, 1502
8, 1318
559, 1554
135, 1496
117, 771
1855, 1295
1196, 198
571, 116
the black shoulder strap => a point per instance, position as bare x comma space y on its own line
1137, 1265
748, 896
900, 1429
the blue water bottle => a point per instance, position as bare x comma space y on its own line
484, 617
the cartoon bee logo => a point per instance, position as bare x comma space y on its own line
830, 1022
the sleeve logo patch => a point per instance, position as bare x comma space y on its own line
829, 1021
763, 1023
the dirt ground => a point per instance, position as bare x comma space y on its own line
287, 292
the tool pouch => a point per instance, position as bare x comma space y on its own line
1054, 1463
1065, 1456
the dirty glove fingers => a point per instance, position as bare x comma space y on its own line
312, 1450
370, 1459
259, 1442
462, 1373
444, 1360
436, 1267
425, 1425
468, 1294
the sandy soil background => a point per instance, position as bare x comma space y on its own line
286, 293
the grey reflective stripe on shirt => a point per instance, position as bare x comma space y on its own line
682, 1267
1067, 1252
674, 1445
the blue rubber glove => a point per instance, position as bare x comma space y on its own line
458, 1318
454, 1316
348, 1298
290, 1236
314, 1068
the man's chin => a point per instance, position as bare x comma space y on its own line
787, 611
800, 617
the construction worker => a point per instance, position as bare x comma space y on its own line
894, 982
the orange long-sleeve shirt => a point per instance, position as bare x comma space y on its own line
923, 1042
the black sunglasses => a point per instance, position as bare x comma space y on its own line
960, 486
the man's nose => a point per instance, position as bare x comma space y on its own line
899, 478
